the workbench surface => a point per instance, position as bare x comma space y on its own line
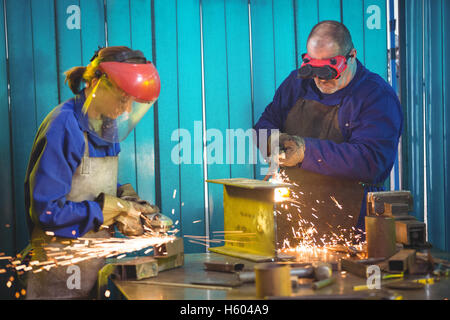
188, 283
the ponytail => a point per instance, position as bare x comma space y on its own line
74, 76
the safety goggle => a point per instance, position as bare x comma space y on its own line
326, 69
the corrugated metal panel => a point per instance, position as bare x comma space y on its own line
220, 62
446, 118
23, 102
7, 222
425, 95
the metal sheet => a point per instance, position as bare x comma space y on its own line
251, 212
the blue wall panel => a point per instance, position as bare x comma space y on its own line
7, 223
446, 117
329, 10
141, 39
412, 99
263, 62
425, 96
191, 194
216, 104
434, 113
307, 15
68, 46
239, 85
44, 50
284, 39
168, 114
375, 37
92, 28
23, 107
353, 19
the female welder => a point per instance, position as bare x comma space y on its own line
71, 187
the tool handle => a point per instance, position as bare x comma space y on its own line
323, 283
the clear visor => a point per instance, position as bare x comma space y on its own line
111, 113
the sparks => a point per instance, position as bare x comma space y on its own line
336, 202
306, 234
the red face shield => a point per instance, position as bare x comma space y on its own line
125, 90
140, 81
327, 69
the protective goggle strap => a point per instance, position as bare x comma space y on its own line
123, 56
136, 55
88, 101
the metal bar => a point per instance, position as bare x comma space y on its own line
182, 285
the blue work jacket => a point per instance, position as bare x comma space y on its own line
57, 152
370, 120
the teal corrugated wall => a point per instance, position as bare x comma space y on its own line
426, 98
219, 62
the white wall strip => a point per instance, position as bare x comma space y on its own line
205, 156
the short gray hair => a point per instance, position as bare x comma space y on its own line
334, 31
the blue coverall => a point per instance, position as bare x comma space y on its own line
370, 119
57, 152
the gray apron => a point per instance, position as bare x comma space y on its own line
326, 204
93, 176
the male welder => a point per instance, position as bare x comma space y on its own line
339, 125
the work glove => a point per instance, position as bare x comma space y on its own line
127, 192
127, 214
294, 150
130, 225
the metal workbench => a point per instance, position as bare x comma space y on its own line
183, 284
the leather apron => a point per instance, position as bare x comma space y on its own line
325, 208
93, 176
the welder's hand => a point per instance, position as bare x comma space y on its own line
294, 147
130, 225
127, 192
112, 207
